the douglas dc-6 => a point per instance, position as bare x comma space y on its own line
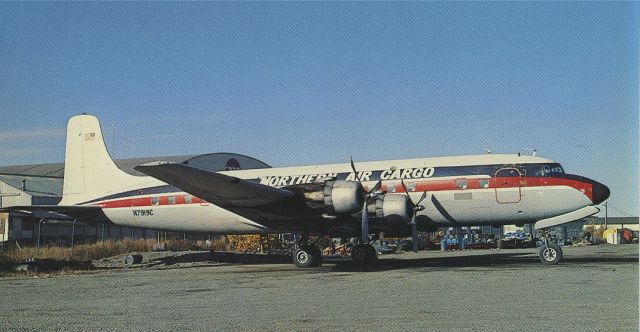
397, 197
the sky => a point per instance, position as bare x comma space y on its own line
298, 83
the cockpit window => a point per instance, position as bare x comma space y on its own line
556, 169
542, 170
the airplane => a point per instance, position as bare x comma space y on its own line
397, 197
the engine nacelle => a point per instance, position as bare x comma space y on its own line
333, 197
344, 197
392, 207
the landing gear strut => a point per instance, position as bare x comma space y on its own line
306, 255
550, 253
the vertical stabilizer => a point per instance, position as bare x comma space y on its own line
89, 171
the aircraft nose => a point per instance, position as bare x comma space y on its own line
600, 192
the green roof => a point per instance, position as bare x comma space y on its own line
35, 186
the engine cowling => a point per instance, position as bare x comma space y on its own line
392, 207
333, 197
344, 197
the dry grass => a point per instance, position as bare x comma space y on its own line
81, 252
99, 250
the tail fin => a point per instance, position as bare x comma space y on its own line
89, 171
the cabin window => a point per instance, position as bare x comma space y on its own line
171, 200
483, 183
461, 184
188, 199
155, 200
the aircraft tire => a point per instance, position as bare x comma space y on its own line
317, 256
306, 257
363, 255
551, 254
133, 259
373, 253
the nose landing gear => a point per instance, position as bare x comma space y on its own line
550, 253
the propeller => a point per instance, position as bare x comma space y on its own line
367, 195
416, 208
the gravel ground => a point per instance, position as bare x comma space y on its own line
594, 288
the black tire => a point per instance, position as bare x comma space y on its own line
373, 253
317, 256
133, 259
307, 256
551, 254
363, 255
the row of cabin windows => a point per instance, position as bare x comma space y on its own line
537, 170
171, 200
462, 183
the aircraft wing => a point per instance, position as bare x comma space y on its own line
246, 198
91, 214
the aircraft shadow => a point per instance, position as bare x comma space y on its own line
491, 259
502, 260
223, 257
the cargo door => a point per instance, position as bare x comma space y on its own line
508, 182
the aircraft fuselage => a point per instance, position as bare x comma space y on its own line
461, 191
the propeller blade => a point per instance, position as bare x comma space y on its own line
353, 167
375, 188
424, 195
365, 223
406, 192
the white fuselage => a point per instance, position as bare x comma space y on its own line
454, 200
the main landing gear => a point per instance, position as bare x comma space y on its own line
550, 253
306, 255
363, 254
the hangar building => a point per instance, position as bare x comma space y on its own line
42, 185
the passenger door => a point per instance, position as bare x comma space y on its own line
508, 182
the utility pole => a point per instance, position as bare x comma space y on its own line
40, 231
73, 233
605, 215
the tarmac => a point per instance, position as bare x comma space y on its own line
593, 288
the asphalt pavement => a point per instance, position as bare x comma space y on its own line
594, 288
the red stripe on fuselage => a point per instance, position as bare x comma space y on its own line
431, 185
501, 182
146, 202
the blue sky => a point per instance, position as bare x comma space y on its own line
302, 83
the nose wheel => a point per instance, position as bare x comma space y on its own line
550, 253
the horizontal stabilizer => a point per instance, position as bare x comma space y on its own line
567, 217
88, 214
